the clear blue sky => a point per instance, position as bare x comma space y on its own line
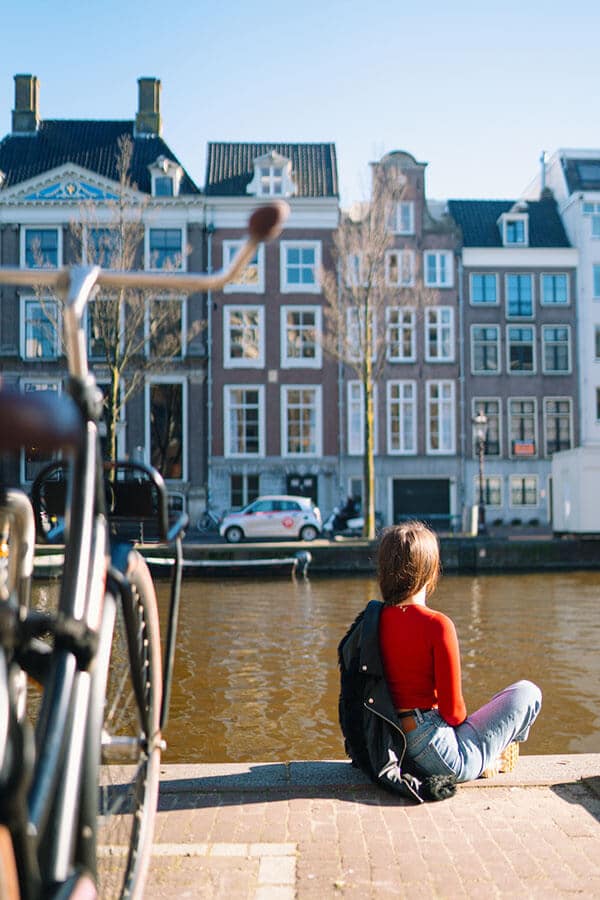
475, 89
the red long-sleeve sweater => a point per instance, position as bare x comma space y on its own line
421, 660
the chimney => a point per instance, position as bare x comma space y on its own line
26, 114
147, 121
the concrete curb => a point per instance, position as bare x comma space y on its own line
531, 771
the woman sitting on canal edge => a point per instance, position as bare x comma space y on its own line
421, 660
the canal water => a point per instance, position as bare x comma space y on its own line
256, 674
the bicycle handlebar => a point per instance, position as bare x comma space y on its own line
264, 224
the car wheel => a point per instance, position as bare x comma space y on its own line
309, 533
234, 534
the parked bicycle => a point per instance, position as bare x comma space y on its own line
103, 685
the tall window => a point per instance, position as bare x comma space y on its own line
271, 181
41, 248
515, 231
165, 248
555, 289
557, 424
402, 218
243, 337
439, 271
300, 328
402, 416
440, 417
596, 282
491, 409
492, 490
166, 408
400, 334
597, 343
104, 247
556, 341
400, 268
39, 329
97, 328
519, 296
484, 288
244, 420
485, 349
252, 279
522, 424
33, 459
356, 418
356, 332
243, 489
520, 349
301, 421
165, 328
523, 490
439, 334
355, 270
300, 263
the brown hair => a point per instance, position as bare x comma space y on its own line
408, 559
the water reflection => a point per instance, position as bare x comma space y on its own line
256, 674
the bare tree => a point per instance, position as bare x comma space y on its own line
359, 291
130, 332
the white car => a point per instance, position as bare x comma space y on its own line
273, 517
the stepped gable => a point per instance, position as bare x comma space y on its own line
230, 168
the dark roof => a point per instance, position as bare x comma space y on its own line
478, 220
87, 143
581, 174
229, 168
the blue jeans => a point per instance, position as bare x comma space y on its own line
467, 749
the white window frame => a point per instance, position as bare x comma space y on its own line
596, 281
59, 244
402, 217
484, 303
230, 362
521, 477
405, 267
519, 318
512, 219
169, 379
486, 481
292, 288
103, 382
444, 329
291, 362
255, 266
569, 368
354, 329
444, 268
478, 403
181, 227
441, 385
536, 443
227, 407
45, 384
318, 407
407, 435
183, 336
355, 270
554, 303
356, 418
30, 299
521, 372
545, 417
400, 327
473, 343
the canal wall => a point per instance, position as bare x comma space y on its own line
357, 556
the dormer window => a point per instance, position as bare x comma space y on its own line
272, 176
166, 177
515, 229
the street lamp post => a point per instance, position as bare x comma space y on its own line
480, 424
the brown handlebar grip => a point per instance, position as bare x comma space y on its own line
266, 222
39, 420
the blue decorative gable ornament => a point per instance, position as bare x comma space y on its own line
71, 190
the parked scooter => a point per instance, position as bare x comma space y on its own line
347, 521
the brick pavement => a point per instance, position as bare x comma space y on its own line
320, 830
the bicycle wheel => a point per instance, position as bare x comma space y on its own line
131, 742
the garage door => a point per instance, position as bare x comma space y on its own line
427, 499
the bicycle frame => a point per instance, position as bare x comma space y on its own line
56, 826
